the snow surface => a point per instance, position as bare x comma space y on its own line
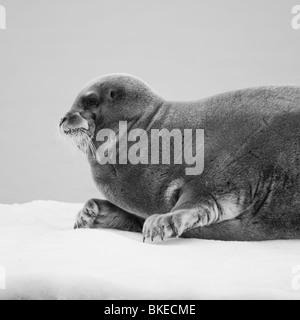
46, 259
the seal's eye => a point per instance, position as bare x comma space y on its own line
91, 101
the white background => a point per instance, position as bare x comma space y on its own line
185, 49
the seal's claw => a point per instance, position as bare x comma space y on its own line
160, 226
87, 216
78, 225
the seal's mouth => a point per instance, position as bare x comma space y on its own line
79, 132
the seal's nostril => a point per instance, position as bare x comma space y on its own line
62, 121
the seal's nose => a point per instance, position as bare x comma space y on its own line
62, 121
74, 121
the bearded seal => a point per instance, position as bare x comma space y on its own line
249, 189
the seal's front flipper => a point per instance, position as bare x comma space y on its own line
174, 224
103, 214
195, 209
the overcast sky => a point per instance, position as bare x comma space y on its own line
185, 49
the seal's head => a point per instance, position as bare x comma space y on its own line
103, 103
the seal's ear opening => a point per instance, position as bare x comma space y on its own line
112, 94
116, 94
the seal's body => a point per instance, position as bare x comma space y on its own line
250, 187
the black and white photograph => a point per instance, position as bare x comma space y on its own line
150, 152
